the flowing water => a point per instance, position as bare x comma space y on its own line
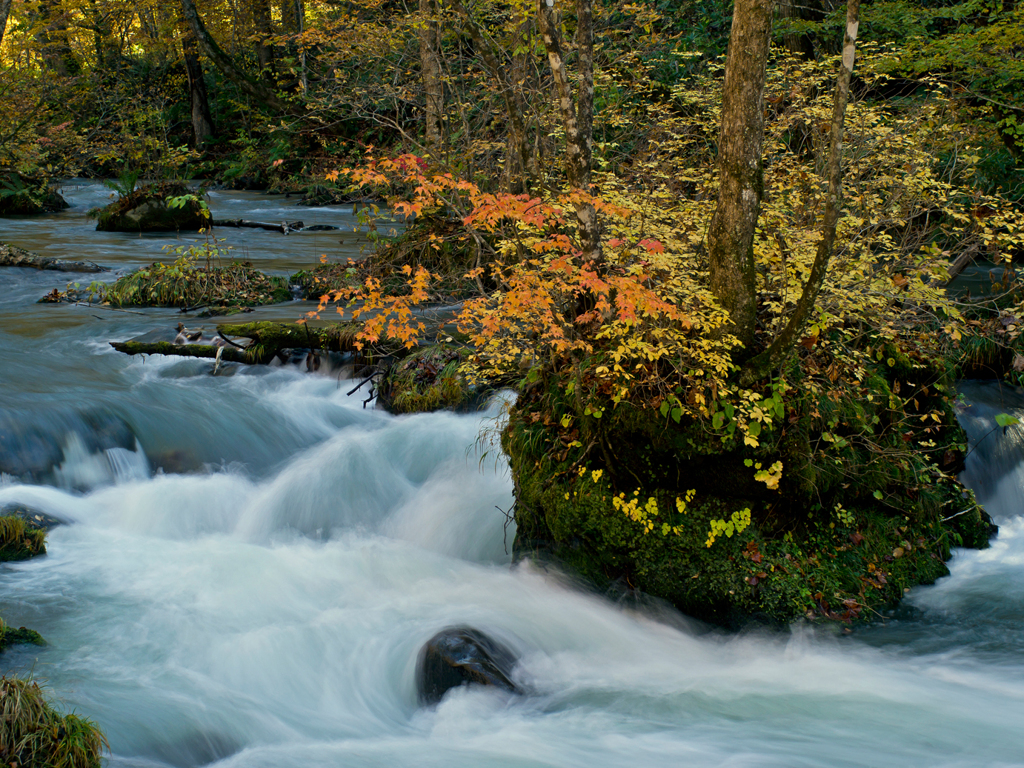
252, 561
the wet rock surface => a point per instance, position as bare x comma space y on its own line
460, 656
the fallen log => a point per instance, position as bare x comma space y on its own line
227, 354
11, 256
284, 227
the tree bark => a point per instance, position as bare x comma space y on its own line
430, 67
741, 184
786, 340
578, 118
53, 40
5, 11
202, 119
257, 90
511, 94
264, 30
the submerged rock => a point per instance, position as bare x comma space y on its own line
33, 446
462, 656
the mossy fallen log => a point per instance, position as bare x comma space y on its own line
12, 256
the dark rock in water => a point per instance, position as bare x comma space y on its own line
29, 194
462, 656
321, 228
32, 445
147, 209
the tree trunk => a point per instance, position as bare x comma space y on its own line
577, 119
202, 119
430, 66
5, 11
786, 340
53, 40
264, 30
511, 93
257, 90
741, 184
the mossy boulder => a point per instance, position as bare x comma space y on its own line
19, 540
149, 209
187, 284
428, 380
862, 507
28, 194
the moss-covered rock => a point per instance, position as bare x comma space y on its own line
19, 540
25, 194
187, 284
149, 209
427, 380
21, 636
35, 735
862, 505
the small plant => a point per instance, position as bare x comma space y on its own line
33, 734
18, 541
126, 182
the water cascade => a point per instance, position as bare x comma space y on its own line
246, 577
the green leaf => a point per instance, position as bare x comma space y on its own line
677, 414
717, 420
754, 428
877, 495
664, 408
1005, 420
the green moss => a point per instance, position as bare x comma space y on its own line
427, 380
19, 541
35, 735
187, 285
21, 636
865, 509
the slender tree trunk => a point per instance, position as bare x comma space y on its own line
257, 90
202, 119
577, 118
511, 93
786, 340
5, 11
264, 30
741, 184
430, 67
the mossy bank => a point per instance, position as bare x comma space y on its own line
848, 500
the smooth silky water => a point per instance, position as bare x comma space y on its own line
250, 582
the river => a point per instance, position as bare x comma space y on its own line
247, 575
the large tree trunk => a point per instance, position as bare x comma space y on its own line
786, 340
430, 66
741, 184
202, 119
5, 11
257, 90
577, 118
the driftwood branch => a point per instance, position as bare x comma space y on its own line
284, 227
11, 256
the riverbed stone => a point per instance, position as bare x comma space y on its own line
147, 210
459, 656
